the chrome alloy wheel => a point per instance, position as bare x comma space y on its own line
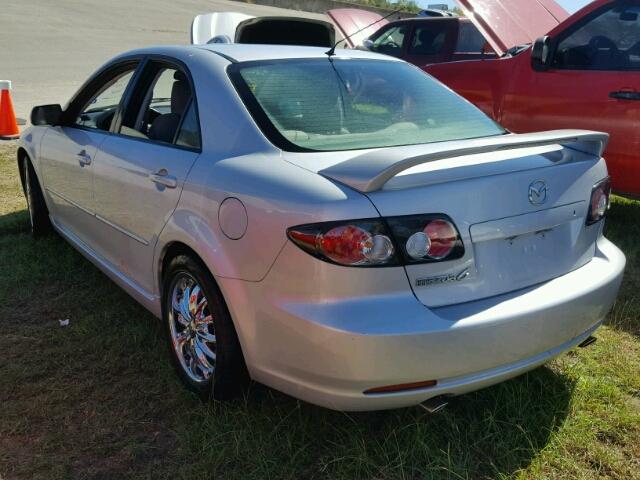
192, 332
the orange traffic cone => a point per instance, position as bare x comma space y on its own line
8, 125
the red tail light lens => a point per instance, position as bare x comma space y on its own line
363, 243
600, 201
372, 242
442, 236
426, 238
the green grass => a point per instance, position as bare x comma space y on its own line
98, 399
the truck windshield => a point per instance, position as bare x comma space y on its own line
345, 104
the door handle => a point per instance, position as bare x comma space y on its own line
83, 158
625, 95
162, 177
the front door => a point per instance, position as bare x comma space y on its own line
593, 83
68, 152
141, 168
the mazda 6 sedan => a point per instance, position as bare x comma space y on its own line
337, 225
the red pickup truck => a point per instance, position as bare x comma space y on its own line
559, 71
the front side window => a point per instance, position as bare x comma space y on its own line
319, 104
390, 41
429, 39
99, 111
608, 41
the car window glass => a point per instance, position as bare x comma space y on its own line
351, 104
157, 106
470, 40
100, 110
610, 41
428, 39
390, 42
189, 135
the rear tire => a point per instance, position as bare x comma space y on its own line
203, 344
39, 221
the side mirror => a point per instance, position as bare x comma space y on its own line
46, 115
541, 54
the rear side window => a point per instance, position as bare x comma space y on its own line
470, 40
189, 134
429, 39
162, 108
342, 104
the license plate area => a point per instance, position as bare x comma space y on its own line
520, 251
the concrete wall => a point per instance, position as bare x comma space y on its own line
321, 6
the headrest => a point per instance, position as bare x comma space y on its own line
180, 95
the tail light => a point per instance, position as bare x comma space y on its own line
600, 201
381, 242
363, 243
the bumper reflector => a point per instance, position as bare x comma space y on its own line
402, 387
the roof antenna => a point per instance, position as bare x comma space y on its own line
332, 51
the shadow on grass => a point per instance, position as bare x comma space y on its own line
106, 403
16, 222
488, 434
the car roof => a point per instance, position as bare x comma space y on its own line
244, 52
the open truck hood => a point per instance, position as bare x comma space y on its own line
356, 25
508, 23
234, 27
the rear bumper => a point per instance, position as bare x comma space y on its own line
328, 352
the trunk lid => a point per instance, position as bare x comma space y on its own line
233, 27
206, 26
356, 25
508, 23
510, 241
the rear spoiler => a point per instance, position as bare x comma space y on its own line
370, 171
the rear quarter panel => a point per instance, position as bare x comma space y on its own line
276, 195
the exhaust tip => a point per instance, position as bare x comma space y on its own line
588, 341
435, 404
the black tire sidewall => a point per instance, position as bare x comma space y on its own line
38, 213
229, 378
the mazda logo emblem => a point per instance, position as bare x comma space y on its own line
538, 192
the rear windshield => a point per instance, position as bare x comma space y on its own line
346, 104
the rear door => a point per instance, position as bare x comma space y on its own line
141, 168
67, 155
593, 83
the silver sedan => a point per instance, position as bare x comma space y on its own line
337, 225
